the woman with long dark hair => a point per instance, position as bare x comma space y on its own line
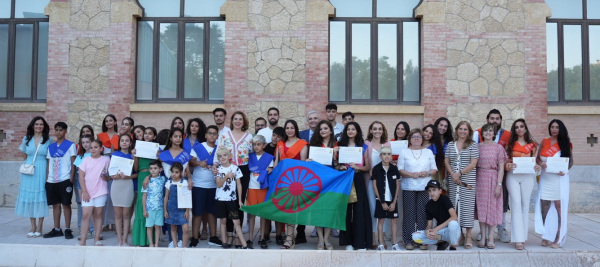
31, 201
552, 203
444, 128
194, 134
520, 185
109, 135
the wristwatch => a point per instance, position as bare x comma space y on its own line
499, 183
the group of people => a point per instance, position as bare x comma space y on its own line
447, 178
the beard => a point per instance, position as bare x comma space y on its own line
273, 122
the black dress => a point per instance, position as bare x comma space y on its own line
358, 218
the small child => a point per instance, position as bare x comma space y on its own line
153, 202
386, 184
260, 164
59, 186
85, 141
174, 215
277, 136
228, 198
440, 208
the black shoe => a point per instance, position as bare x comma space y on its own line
452, 248
263, 244
193, 242
238, 246
246, 247
250, 244
54, 233
68, 234
442, 245
300, 239
267, 238
215, 241
226, 246
278, 240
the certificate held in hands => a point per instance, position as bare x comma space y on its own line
398, 146
146, 150
184, 197
120, 165
351, 154
524, 164
557, 164
323, 155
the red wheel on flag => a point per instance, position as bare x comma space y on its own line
297, 188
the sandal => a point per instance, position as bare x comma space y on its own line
423, 247
287, 244
320, 246
545, 243
98, 243
519, 246
469, 244
409, 246
204, 235
481, 243
30, 235
37, 234
328, 246
491, 245
554, 245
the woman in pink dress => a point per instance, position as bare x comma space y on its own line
488, 194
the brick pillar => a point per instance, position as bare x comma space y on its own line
91, 64
277, 51
480, 55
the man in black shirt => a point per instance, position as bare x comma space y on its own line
440, 208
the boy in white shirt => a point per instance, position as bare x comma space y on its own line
228, 198
59, 186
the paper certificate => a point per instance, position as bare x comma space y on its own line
120, 164
351, 154
146, 150
184, 197
398, 146
557, 164
323, 155
524, 164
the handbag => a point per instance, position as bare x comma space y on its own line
29, 169
352, 197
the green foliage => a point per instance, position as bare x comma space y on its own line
573, 83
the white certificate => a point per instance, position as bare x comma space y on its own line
351, 154
398, 146
557, 164
120, 164
524, 164
146, 150
323, 155
184, 197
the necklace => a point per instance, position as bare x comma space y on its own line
413, 154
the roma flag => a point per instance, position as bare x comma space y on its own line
306, 193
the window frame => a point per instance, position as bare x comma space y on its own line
12, 23
374, 21
585, 23
181, 31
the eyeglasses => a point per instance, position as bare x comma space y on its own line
416, 137
212, 133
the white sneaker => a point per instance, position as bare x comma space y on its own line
380, 248
272, 227
504, 237
335, 233
171, 245
180, 244
245, 228
362, 249
349, 247
395, 247
314, 232
478, 237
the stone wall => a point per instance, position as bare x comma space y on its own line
484, 54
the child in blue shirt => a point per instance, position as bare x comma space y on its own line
153, 202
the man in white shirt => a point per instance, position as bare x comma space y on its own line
219, 117
331, 110
312, 120
273, 117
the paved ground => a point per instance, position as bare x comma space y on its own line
583, 235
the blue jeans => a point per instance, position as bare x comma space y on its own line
449, 234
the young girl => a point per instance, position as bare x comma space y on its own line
138, 236
126, 126
122, 191
174, 215
178, 123
153, 202
194, 134
85, 142
326, 139
94, 189
138, 132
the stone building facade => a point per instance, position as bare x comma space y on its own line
475, 55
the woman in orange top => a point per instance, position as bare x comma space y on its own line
552, 203
109, 136
326, 139
291, 147
520, 185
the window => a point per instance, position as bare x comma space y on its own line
374, 29
573, 39
181, 51
23, 50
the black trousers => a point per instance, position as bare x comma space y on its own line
245, 183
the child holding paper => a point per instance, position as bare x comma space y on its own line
173, 214
121, 192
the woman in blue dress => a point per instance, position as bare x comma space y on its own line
31, 201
